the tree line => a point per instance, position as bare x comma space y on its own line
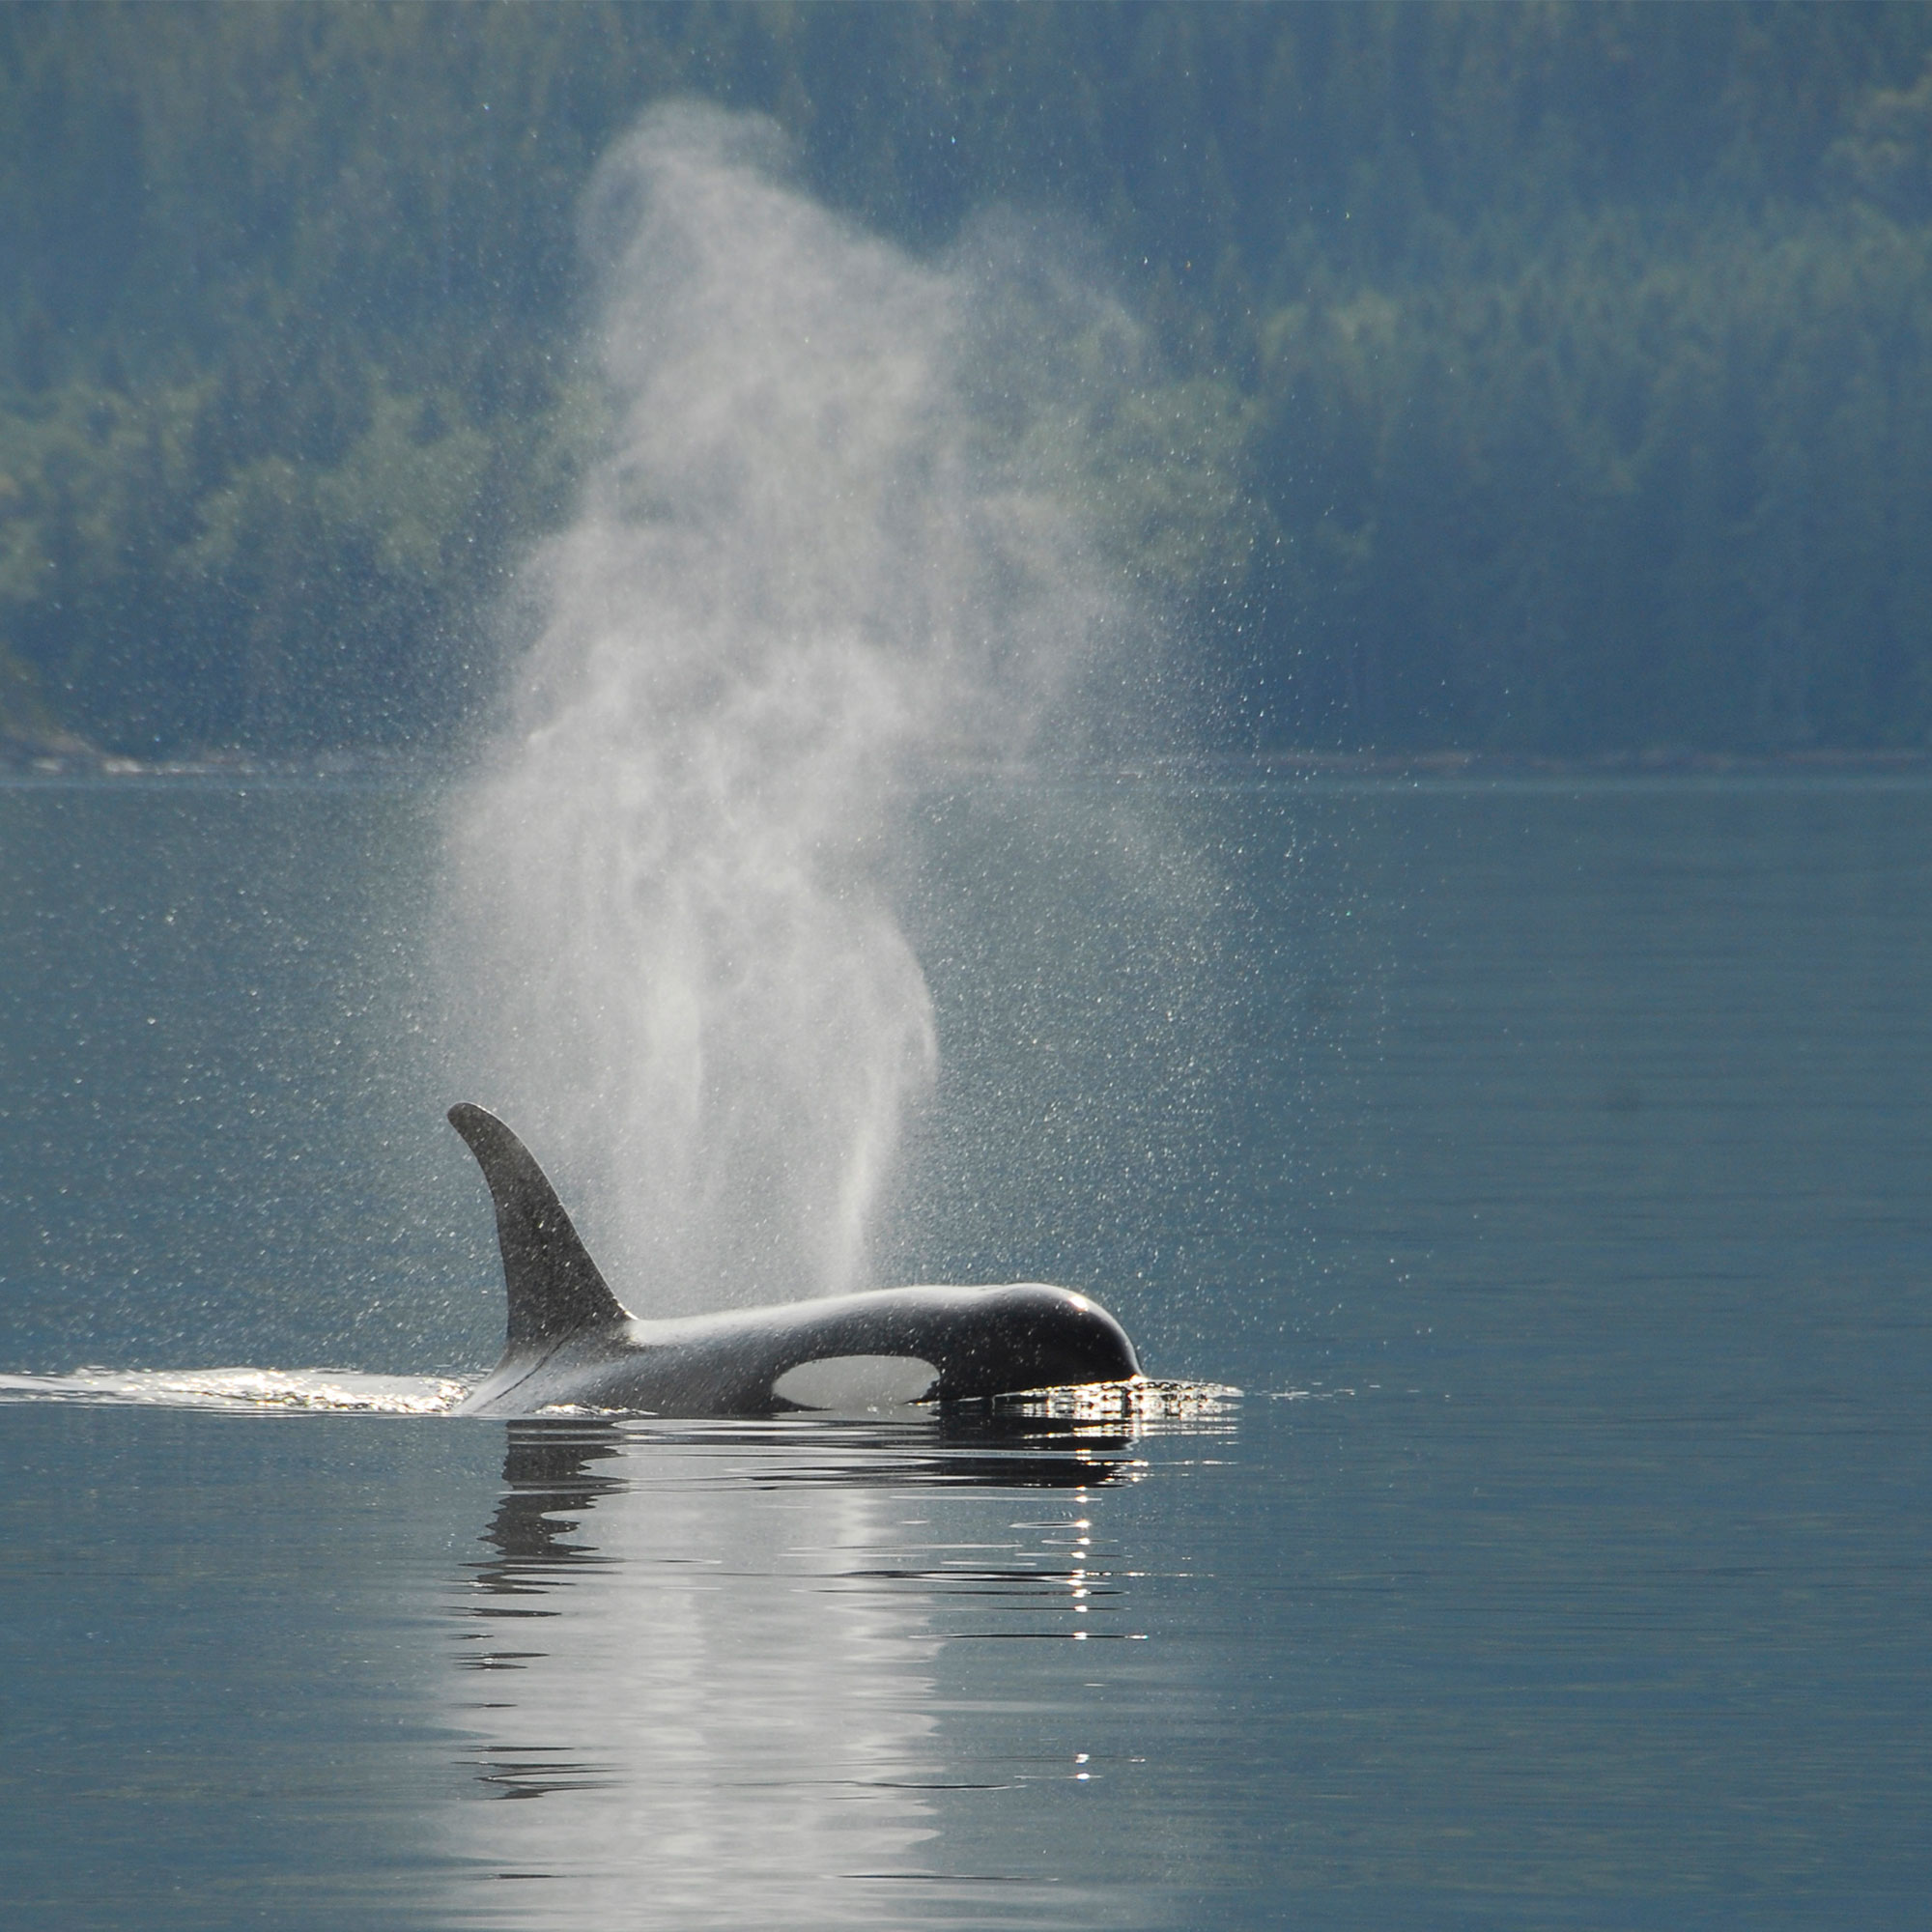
1548, 377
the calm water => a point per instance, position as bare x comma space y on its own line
1547, 1161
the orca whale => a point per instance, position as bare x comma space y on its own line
572, 1345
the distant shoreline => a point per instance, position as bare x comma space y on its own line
1451, 763
27, 764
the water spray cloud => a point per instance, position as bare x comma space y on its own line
813, 564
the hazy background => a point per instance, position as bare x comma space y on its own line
1540, 378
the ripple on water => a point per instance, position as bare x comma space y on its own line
333, 1391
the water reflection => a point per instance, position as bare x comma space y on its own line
711, 1651
548, 1486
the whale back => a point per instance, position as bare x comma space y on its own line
571, 1344
555, 1288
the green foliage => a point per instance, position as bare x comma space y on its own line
170, 582
1550, 375
1643, 491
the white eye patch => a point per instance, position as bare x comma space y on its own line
857, 1381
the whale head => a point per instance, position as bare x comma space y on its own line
1030, 1335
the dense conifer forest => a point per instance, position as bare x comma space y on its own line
1541, 376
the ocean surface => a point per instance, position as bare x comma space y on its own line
1545, 1161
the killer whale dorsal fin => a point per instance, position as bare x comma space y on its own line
554, 1286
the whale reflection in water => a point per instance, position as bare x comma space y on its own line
745, 1668
572, 1345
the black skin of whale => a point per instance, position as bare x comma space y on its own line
572, 1343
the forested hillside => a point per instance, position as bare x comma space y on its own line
1552, 377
